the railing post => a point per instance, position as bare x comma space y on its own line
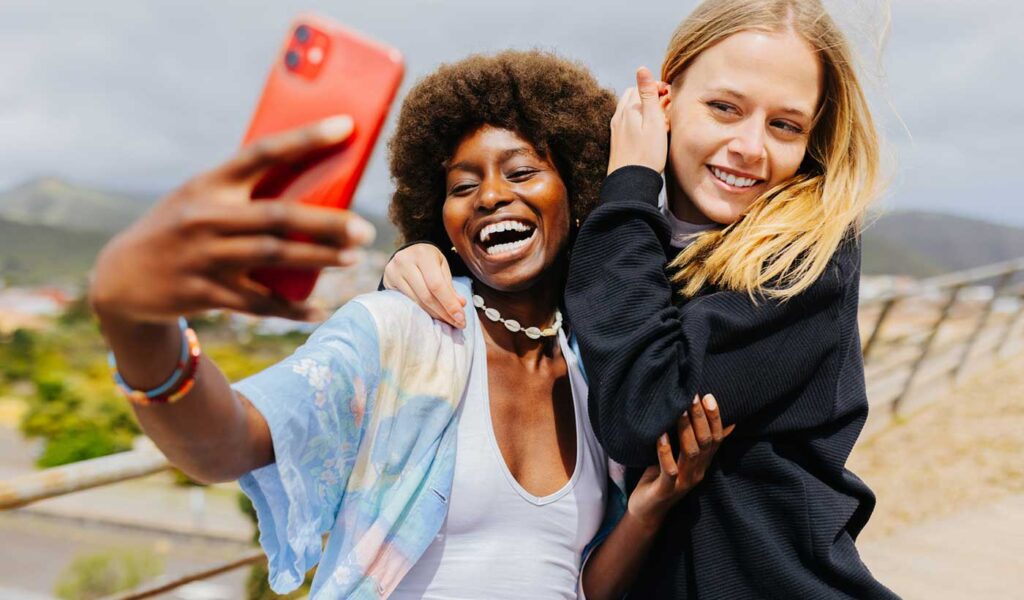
1015, 322
873, 338
926, 347
982, 324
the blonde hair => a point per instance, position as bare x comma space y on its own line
787, 236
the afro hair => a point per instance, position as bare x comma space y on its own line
555, 104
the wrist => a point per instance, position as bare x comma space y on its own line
177, 385
648, 521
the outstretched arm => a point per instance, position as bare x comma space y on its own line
192, 252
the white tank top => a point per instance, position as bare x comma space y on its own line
498, 540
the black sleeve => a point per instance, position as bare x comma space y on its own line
648, 352
380, 284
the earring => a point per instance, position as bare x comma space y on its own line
454, 250
577, 223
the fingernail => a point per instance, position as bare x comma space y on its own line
336, 128
360, 231
459, 320
696, 398
350, 256
663, 439
709, 401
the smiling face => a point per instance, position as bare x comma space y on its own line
506, 209
740, 120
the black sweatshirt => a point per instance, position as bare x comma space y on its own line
777, 513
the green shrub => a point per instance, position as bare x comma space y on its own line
103, 573
78, 420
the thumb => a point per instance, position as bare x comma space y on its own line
648, 88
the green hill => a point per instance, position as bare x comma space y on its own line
922, 244
37, 254
56, 203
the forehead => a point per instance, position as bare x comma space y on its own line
491, 143
780, 69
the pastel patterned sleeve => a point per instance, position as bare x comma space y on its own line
314, 402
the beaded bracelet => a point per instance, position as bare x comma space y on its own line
177, 385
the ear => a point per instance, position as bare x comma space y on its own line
665, 99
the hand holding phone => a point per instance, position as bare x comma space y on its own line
322, 69
194, 249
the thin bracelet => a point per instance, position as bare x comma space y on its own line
177, 385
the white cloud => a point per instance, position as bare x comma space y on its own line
139, 95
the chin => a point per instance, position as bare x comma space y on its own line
510, 280
721, 211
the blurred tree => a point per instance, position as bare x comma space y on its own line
104, 573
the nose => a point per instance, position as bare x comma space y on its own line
494, 193
748, 143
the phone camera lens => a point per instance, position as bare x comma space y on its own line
302, 34
291, 59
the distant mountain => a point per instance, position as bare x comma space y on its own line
53, 202
37, 254
51, 230
922, 244
56, 203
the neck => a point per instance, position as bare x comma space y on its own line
680, 204
531, 307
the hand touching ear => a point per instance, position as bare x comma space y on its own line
639, 125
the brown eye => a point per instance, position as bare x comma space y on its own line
461, 189
722, 107
520, 174
788, 127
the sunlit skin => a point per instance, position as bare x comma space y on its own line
745, 106
493, 176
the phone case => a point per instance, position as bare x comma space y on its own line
323, 69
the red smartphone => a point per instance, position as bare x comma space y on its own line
323, 69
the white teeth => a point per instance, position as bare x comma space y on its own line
493, 228
732, 179
509, 247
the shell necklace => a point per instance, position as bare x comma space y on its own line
512, 325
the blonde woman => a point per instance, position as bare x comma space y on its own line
770, 159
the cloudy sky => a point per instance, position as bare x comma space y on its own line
136, 95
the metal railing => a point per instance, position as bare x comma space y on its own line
937, 331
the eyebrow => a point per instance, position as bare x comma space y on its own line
505, 155
739, 96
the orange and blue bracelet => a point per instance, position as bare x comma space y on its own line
177, 385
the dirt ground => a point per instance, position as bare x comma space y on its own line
960, 451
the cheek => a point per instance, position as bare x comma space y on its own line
451, 218
694, 142
688, 153
786, 161
552, 199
